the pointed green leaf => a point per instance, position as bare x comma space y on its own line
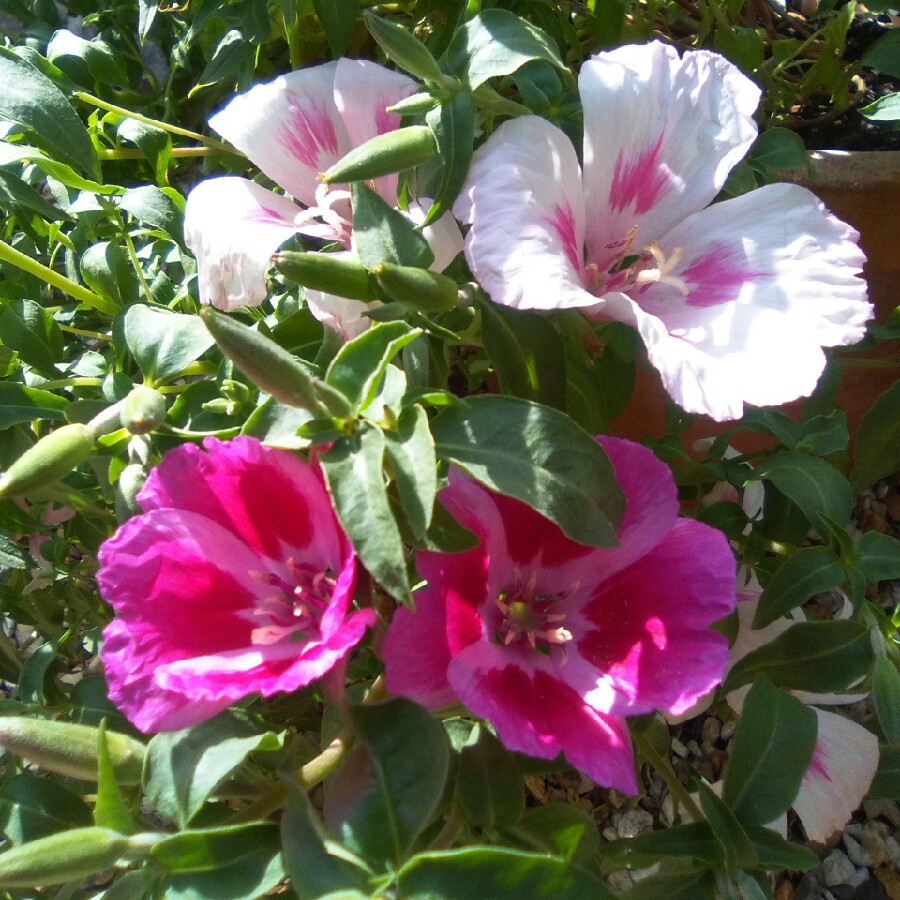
537, 455
382, 234
807, 571
738, 848
453, 126
488, 784
27, 328
773, 745
32, 807
212, 849
413, 467
110, 810
877, 452
338, 18
886, 695
30, 99
354, 471
878, 556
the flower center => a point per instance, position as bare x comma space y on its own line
324, 209
531, 618
296, 606
635, 270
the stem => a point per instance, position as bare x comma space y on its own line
156, 123
33, 267
667, 773
78, 381
446, 837
126, 153
320, 767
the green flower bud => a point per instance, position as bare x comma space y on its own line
272, 368
384, 154
419, 288
70, 749
416, 105
51, 458
326, 272
128, 486
67, 856
143, 410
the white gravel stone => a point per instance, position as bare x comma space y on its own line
728, 730
710, 730
837, 868
610, 833
873, 844
892, 851
679, 749
620, 880
633, 823
667, 810
858, 854
858, 877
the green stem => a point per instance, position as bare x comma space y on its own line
156, 123
125, 153
33, 267
448, 834
79, 381
662, 765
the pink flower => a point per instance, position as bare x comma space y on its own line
294, 128
555, 643
235, 579
734, 301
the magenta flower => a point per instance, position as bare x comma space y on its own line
236, 579
294, 128
733, 301
555, 643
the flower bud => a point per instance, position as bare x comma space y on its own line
416, 105
326, 272
51, 458
67, 856
419, 288
384, 154
143, 410
70, 749
272, 368
128, 486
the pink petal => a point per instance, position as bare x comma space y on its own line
273, 502
534, 712
524, 200
289, 127
646, 630
347, 317
774, 277
443, 236
233, 226
362, 91
680, 126
842, 768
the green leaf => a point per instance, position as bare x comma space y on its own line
886, 696
807, 571
232, 59
358, 368
488, 784
825, 434
887, 778
497, 873
809, 656
19, 197
30, 99
773, 745
526, 351
105, 268
313, 870
249, 878
155, 208
20, 404
818, 488
211, 849
390, 790
691, 884
381, 234
738, 848
776, 854
537, 455
34, 678
878, 439
885, 109
33, 807
496, 42
777, 150
86, 61
110, 810
338, 18
163, 342
184, 767
561, 830
354, 471
884, 55
413, 467
27, 328
453, 126
156, 144
878, 556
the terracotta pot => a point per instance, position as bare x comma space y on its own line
863, 189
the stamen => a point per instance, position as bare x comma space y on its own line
664, 266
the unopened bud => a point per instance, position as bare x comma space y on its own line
419, 288
70, 749
327, 272
51, 458
144, 410
67, 856
384, 154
